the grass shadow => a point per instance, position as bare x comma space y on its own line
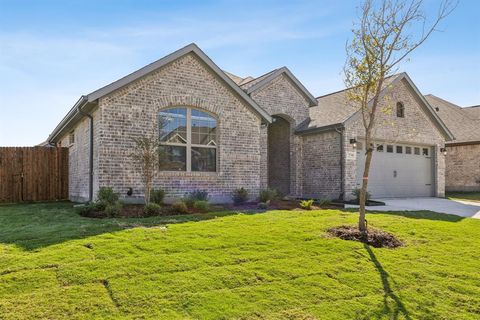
399, 307
33, 226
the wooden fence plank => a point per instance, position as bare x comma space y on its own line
33, 174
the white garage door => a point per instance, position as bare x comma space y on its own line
398, 170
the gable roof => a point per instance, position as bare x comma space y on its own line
88, 100
464, 127
333, 109
262, 81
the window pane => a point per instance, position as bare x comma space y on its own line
203, 128
416, 150
399, 149
389, 148
380, 147
204, 159
173, 125
173, 158
425, 152
408, 150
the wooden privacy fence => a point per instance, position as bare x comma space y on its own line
33, 174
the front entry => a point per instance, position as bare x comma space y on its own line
279, 155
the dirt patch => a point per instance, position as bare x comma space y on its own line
374, 237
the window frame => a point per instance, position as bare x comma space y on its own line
399, 149
189, 145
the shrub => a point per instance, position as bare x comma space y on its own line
267, 195
196, 195
324, 202
179, 207
113, 210
157, 196
152, 209
107, 196
306, 204
201, 205
240, 195
263, 205
356, 193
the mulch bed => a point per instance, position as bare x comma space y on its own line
376, 238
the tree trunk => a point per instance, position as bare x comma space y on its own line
362, 226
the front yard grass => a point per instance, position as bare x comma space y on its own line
55, 264
465, 196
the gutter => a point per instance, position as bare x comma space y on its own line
340, 131
90, 161
77, 109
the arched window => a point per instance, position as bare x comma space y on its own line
188, 140
400, 110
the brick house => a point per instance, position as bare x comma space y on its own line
220, 132
463, 153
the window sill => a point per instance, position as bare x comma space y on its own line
188, 174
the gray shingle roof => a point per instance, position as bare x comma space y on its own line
334, 108
473, 112
463, 126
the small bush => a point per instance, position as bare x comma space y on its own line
306, 204
157, 196
107, 196
152, 209
113, 210
263, 205
324, 202
267, 195
196, 195
356, 194
201, 205
179, 207
240, 195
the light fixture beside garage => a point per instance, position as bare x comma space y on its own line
353, 142
444, 151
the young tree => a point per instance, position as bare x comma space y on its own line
388, 31
147, 153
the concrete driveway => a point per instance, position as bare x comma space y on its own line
459, 208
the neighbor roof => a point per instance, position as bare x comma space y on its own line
88, 100
334, 109
464, 127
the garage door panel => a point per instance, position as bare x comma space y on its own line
397, 174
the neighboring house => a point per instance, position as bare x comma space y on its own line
463, 153
220, 132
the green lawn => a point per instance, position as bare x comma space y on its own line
466, 196
55, 264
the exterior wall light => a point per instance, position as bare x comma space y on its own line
444, 151
353, 142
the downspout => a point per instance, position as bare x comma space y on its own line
341, 196
90, 169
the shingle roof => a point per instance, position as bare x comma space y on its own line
463, 126
245, 85
334, 109
473, 112
74, 115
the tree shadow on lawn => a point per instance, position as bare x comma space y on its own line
33, 226
421, 214
399, 307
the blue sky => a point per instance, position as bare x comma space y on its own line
52, 52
